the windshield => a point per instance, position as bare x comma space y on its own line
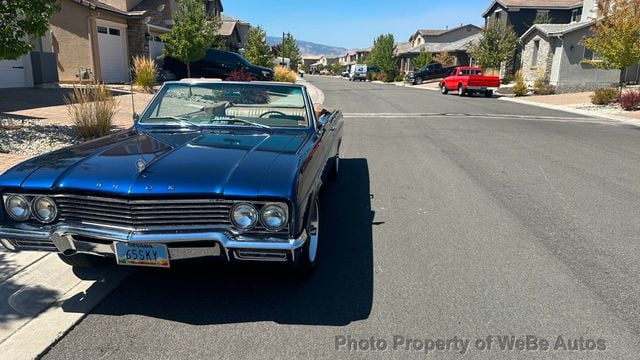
228, 104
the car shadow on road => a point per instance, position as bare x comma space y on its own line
338, 292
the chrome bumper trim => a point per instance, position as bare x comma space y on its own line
70, 240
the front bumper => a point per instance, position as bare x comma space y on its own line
100, 241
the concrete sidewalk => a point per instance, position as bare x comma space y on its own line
317, 96
576, 103
41, 298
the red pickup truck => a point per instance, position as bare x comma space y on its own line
469, 80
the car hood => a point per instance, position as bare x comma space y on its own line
228, 164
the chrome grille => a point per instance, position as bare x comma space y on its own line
162, 214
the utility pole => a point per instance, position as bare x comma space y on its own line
282, 50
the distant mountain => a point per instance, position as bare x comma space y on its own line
309, 48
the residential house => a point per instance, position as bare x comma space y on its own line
454, 41
95, 39
349, 58
234, 32
554, 53
521, 14
37, 68
362, 54
308, 60
323, 62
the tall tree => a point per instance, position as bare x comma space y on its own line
497, 44
382, 54
616, 36
423, 58
444, 58
290, 50
193, 32
21, 20
257, 50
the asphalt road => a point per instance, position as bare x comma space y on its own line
452, 217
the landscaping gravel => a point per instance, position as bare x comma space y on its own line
610, 109
29, 137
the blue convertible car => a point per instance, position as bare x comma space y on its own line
210, 168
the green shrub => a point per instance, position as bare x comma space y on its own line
541, 87
604, 96
146, 72
629, 100
92, 108
400, 77
520, 88
372, 76
508, 79
282, 74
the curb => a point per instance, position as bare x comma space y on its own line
620, 119
317, 95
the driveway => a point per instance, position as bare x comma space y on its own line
47, 107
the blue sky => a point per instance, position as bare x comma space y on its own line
354, 23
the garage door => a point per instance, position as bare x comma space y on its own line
112, 57
12, 74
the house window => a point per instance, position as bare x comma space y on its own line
576, 15
534, 56
102, 29
589, 55
113, 31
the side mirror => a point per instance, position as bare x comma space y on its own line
324, 119
136, 117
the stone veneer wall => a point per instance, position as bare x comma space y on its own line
545, 59
138, 44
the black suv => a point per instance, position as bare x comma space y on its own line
215, 64
428, 72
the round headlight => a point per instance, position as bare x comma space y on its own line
18, 207
274, 217
45, 209
244, 216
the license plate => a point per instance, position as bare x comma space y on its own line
142, 255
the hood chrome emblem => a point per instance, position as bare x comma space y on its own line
140, 165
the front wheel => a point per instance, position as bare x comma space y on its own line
419, 80
305, 260
488, 93
443, 89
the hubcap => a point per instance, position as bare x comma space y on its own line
460, 90
442, 89
314, 225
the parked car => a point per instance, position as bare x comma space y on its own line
345, 72
358, 72
428, 72
215, 64
468, 80
219, 169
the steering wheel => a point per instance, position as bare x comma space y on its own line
272, 112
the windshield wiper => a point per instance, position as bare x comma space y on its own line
178, 119
233, 119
